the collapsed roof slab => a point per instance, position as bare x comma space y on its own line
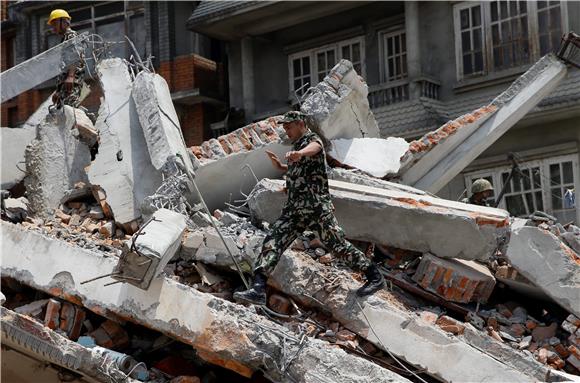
513, 104
223, 333
339, 106
403, 220
55, 161
122, 168
547, 263
43, 66
27, 336
389, 327
355, 177
229, 163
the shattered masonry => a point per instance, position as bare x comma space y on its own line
114, 256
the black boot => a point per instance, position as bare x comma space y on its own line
374, 283
257, 294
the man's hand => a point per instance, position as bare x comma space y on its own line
276, 161
68, 84
293, 156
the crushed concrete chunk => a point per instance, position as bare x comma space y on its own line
455, 280
547, 263
399, 219
154, 246
339, 106
13, 142
375, 156
122, 168
55, 162
222, 333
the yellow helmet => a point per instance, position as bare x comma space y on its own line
57, 14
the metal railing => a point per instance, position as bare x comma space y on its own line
399, 91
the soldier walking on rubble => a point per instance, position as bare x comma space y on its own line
69, 83
308, 207
481, 190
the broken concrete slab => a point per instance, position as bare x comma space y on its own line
547, 263
122, 168
159, 121
44, 66
375, 156
402, 220
85, 128
55, 161
455, 280
25, 335
514, 103
151, 248
236, 161
389, 326
356, 177
338, 106
427, 151
222, 333
13, 142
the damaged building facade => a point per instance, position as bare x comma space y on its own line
425, 63
120, 261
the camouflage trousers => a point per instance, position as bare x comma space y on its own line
291, 224
71, 98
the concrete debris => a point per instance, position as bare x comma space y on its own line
231, 165
23, 334
55, 162
13, 142
354, 176
44, 66
514, 103
533, 251
399, 219
338, 106
385, 322
455, 279
256, 344
15, 209
375, 156
85, 128
152, 247
122, 168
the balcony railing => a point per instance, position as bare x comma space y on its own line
398, 91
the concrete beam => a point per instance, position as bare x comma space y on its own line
29, 337
339, 106
513, 104
154, 246
222, 333
55, 161
389, 326
403, 220
123, 166
547, 263
43, 67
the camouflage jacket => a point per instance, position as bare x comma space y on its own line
80, 66
307, 180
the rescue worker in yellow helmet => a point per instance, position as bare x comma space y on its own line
481, 190
69, 83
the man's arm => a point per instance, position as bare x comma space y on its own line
276, 161
310, 150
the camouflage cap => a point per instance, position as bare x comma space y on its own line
292, 116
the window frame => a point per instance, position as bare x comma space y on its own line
533, 37
383, 64
312, 54
544, 166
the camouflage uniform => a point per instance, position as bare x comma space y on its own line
64, 97
483, 202
308, 207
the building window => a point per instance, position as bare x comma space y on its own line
496, 35
547, 185
311, 66
394, 56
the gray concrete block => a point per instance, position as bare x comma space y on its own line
546, 262
123, 167
55, 161
13, 142
403, 220
339, 106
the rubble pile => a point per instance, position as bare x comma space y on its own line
113, 255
